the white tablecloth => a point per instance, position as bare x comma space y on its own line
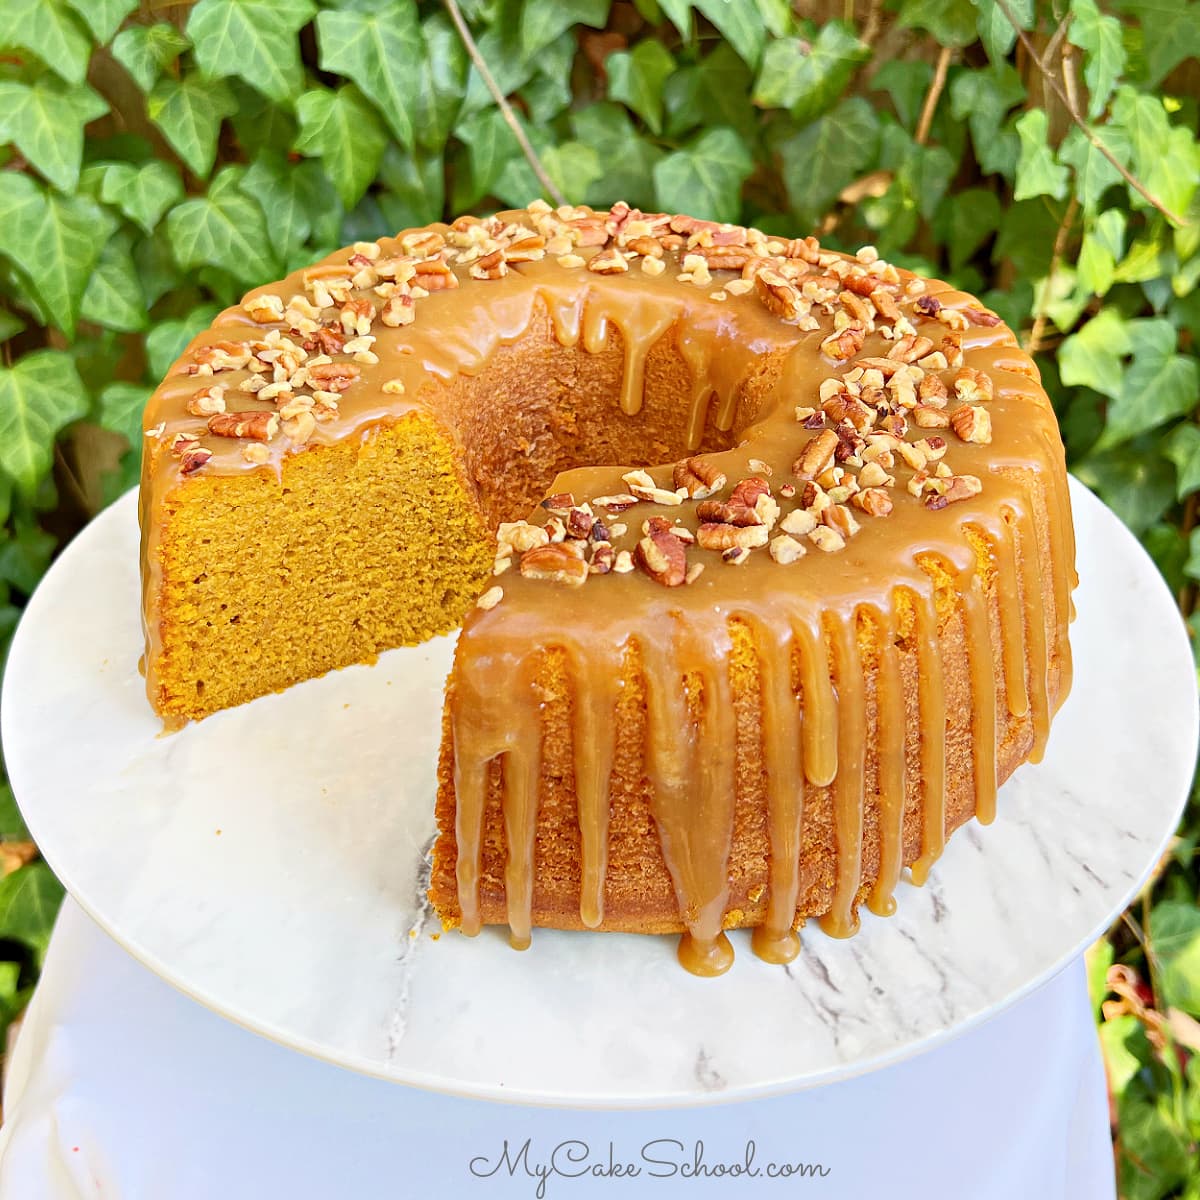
123, 1089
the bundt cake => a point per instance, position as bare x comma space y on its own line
744, 688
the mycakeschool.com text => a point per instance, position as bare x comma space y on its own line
660, 1158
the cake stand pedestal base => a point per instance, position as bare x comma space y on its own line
121, 1086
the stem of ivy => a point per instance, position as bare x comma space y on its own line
1073, 112
1034, 342
502, 103
934, 94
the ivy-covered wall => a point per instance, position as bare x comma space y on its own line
157, 159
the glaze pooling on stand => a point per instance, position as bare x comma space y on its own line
835, 632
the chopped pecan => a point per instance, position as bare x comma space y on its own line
698, 477
933, 391
603, 558
490, 598
608, 262
725, 258
329, 339
957, 487
490, 266
777, 294
435, 275
221, 356
885, 304
528, 248
816, 456
925, 416
257, 426
928, 306
663, 557
424, 243
875, 502
909, 349
616, 503
972, 423
714, 536
972, 385
648, 246
398, 310
356, 317
333, 377
727, 513
193, 459
980, 316
207, 401
785, 549
554, 562
845, 344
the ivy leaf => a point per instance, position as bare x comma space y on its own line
636, 78
907, 83
628, 158
54, 240
224, 228
45, 121
1170, 33
442, 80
142, 193
1093, 356
167, 340
113, 297
381, 51
511, 69
982, 98
705, 177
996, 30
39, 394
740, 24
1160, 383
807, 78
679, 13
415, 188
712, 92
544, 21
52, 32
10, 324
255, 39
1037, 172
145, 50
965, 221
1165, 157
29, 901
259, 123
843, 142
1134, 483
121, 408
189, 111
103, 17
12, 824
1099, 37
952, 22
294, 194
341, 128
25, 554
1094, 174
490, 144
1156, 1156
1182, 447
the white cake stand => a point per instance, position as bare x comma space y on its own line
269, 863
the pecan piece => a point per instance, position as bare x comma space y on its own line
490, 266
972, 385
845, 344
332, 377
556, 563
972, 423
816, 456
713, 536
698, 477
207, 401
908, 349
663, 557
608, 262
257, 426
980, 316
777, 294
875, 502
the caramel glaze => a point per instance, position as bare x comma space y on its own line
808, 612
812, 607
